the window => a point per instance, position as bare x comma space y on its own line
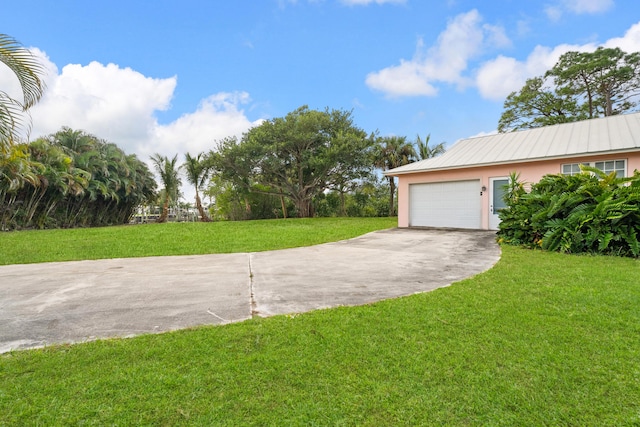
608, 166
572, 168
617, 166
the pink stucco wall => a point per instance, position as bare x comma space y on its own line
530, 172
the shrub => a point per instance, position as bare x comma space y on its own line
591, 212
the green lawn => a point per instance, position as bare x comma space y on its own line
540, 339
23, 247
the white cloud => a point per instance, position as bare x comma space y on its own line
216, 118
630, 42
406, 79
523, 27
588, 6
497, 78
114, 103
120, 105
367, 2
500, 76
555, 11
496, 36
464, 38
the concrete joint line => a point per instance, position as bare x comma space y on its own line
215, 315
252, 301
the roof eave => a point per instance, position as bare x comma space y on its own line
508, 162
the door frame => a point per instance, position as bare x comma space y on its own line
494, 220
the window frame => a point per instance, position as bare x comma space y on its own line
606, 170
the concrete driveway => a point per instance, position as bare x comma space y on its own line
65, 302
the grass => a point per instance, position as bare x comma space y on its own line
540, 339
24, 247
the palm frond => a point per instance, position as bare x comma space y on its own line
25, 66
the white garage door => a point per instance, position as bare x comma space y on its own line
454, 204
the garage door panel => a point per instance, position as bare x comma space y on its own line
454, 204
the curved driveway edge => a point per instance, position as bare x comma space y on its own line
64, 302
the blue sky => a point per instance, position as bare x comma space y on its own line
175, 76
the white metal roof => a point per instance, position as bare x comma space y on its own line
596, 136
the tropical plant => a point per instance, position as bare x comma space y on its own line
390, 152
590, 212
197, 170
71, 179
30, 74
425, 151
169, 176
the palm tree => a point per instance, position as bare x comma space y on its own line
168, 172
391, 152
30, 75
19, 175
197, 170
426, 152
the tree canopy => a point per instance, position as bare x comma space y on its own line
581, 85
297, 156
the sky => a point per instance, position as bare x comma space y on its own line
175, 76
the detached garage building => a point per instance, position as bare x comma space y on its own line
463, 188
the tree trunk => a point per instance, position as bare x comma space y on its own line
589, 95
304, 208
165, 211
203, 215
284, 207
247, 209
608, 104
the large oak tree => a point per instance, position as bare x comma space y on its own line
297, 156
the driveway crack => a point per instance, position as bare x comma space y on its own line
252, 302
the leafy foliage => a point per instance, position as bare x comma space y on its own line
581, 85
70, 179
30, 74
536, 105
368, 199
296, 157
591, 212
426, 151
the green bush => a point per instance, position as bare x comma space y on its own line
587, 213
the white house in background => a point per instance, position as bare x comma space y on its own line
463, 187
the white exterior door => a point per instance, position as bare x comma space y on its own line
496, 200
455, 204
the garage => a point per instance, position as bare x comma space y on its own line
454, 204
